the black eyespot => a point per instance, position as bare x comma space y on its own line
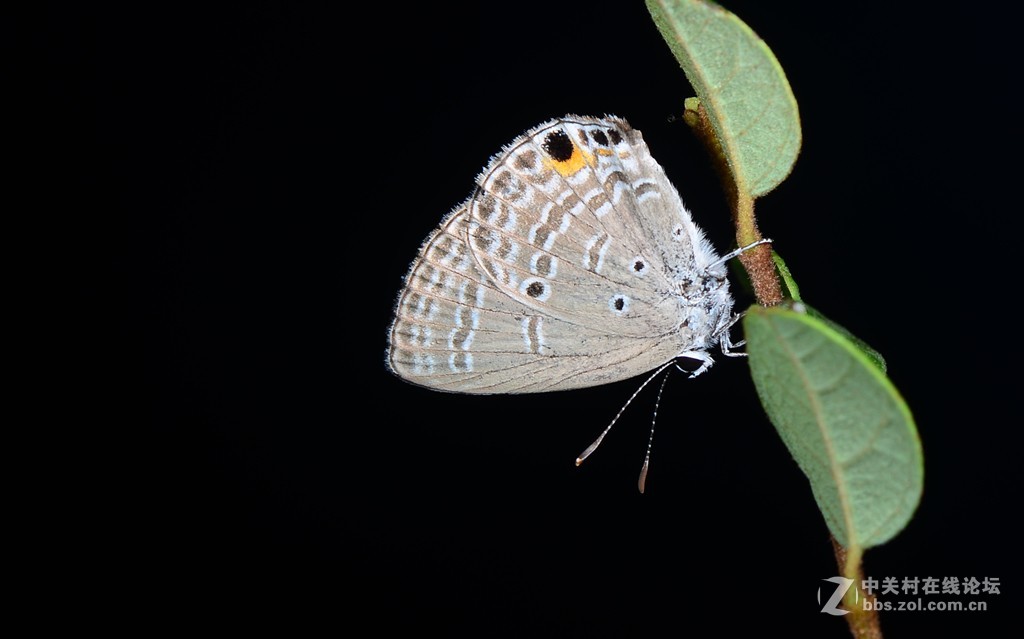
618, 304
600, 138
558, 145
639, 266
615, 136
535, 289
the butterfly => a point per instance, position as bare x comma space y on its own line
574, 263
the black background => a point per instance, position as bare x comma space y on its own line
237, 190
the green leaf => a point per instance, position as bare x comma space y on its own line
793, 292
845, 424
741, 85
873, 355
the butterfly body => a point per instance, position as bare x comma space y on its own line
574, 263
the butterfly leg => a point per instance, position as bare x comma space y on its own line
726, 345
741, 250
725, 342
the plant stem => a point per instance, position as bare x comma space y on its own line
863, 619
758, 261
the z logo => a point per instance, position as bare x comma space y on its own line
832, 605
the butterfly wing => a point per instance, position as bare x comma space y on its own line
456, 330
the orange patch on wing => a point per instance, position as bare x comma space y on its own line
578, 160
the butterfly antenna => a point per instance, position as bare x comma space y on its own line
597, 442
731, 254
650, 440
